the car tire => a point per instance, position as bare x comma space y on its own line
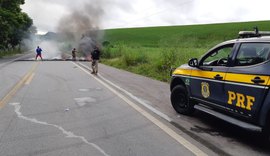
266, 133
180, 100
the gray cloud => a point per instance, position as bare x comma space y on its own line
123, 13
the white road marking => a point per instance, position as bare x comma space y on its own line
195, 150
68, 134
84, 90
140, 101
84, 100
89, 89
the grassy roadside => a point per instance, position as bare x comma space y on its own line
9, 53
153, 51
152, 62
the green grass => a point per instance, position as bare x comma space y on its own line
9, 53
153, 51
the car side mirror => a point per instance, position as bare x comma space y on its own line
171, 71
193, 62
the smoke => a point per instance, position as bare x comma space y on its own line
86, 45
28, 43
81, 27
50, 50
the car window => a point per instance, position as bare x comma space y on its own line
219, 56
252, 53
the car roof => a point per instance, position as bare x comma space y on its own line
252, 39
262, 39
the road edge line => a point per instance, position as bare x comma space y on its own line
154, 110
188, 145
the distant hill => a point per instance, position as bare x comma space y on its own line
49, 36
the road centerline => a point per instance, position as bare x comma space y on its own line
18, 86
30, 78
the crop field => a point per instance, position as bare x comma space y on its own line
154, 51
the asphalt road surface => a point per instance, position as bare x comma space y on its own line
59, 108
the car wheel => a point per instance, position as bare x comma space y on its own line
180, 100
266, 133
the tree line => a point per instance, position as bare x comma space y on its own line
14, 24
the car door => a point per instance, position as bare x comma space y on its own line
246, 82
207, 81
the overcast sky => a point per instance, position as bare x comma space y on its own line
142, 13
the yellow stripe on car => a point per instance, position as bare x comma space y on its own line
182, 72
206, 74
228, 77
245, 78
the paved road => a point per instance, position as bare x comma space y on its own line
58, 108
217, 135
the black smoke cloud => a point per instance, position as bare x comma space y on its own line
81, 26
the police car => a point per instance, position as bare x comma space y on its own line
231, 81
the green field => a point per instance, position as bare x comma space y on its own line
153, 51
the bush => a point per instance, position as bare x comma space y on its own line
106, 44
111, 52
133, 58
106, 53
169, 58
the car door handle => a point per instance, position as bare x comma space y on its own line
218, 77
257, 80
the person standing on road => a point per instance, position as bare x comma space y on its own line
74, 54
95, 59
38, 51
